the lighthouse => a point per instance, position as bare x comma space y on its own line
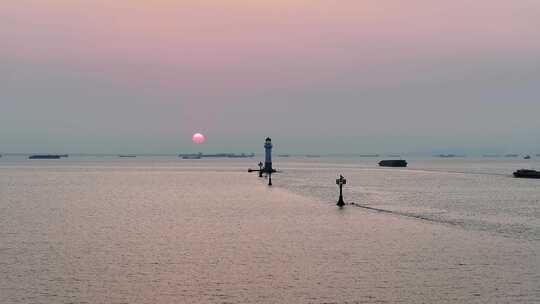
268, 155
268, 159
267, 168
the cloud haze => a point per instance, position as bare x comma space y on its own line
332, 76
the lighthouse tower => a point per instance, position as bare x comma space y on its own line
268, 155
267, 162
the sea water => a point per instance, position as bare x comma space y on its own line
478, 194
166, 230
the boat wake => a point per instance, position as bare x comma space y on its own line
515, 231
406, 214
460, 172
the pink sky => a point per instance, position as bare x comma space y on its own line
238, 51
306, 38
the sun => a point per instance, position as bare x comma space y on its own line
198, 138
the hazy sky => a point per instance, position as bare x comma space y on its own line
316, 75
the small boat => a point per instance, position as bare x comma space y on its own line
45, 156
527, 157
526, 173
393, 163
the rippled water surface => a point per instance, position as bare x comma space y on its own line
163, 230
475, 194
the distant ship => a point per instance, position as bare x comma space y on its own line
45, 156
525, 173
393, 163
127, 155
446, 155
284, 155
511, 155
451, 155
218, 155
243, 155
191, 157
369, 155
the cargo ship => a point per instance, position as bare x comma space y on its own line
526, 173
218, 155
447, 155
191, 157
393, 163
242, 155
45, 156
